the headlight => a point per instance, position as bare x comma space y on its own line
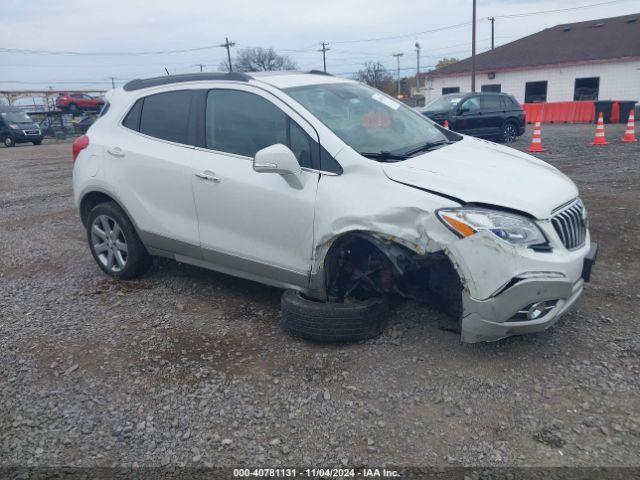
514, 229
14, 126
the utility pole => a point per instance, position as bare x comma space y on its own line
324, 55
473, 49
417, 67
398, 55
493, 23
200, 65
227, 44
113, 82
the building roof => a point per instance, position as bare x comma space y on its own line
593, 40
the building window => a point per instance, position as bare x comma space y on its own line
446, 90
586, 88
496, 87
535, 92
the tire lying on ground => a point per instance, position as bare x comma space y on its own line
332, 322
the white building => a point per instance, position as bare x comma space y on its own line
594, 60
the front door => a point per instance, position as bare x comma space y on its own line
469, 119
256, 225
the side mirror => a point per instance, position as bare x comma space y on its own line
276, 159
464, 110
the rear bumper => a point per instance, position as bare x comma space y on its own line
497, 317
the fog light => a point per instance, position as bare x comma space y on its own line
536, 310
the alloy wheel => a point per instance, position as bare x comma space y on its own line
509, 133
109, 243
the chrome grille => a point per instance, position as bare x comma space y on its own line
570, 223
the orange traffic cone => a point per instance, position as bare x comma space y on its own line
446, 124
599, 138
630, 134
536, 140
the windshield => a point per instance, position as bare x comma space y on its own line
366, 119
16, 117
443, 103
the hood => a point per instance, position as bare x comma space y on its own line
478, 171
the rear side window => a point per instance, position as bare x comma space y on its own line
166, 116
514, 103
132, 120
492, 103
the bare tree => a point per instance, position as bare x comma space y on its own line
375, 75
256, 59
446, 61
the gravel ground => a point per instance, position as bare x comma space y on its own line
190, 367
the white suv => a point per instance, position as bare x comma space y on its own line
336, 192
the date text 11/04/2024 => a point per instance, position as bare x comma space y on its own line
316, 472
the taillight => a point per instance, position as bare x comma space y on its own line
80, 144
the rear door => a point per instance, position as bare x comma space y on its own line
493, 115
469, 119
256, 225
148, 160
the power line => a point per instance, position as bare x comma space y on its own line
105, 54
227, 44
406, 35
324, 55
559, 10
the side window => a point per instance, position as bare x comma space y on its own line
300, 144
166, 116
132, 120
492, 103
243, 123
471, 105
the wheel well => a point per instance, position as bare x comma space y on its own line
390, 268
89, 201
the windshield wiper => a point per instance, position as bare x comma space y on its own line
385, 156
425, 147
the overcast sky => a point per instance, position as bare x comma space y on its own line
292, 27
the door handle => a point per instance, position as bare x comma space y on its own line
115, 151
208, 176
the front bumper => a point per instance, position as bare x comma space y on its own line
496, 317
28, 135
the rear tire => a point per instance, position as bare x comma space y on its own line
8, 141
332, 322
114, 243
509, 132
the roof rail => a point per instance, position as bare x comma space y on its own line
319, 72
140, 83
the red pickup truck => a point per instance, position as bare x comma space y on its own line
73, 102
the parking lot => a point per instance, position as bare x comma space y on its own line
187, 366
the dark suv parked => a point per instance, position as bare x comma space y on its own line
18, 127
488, 115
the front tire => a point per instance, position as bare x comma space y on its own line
114, 243
332, 322
37, 142
9, 141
